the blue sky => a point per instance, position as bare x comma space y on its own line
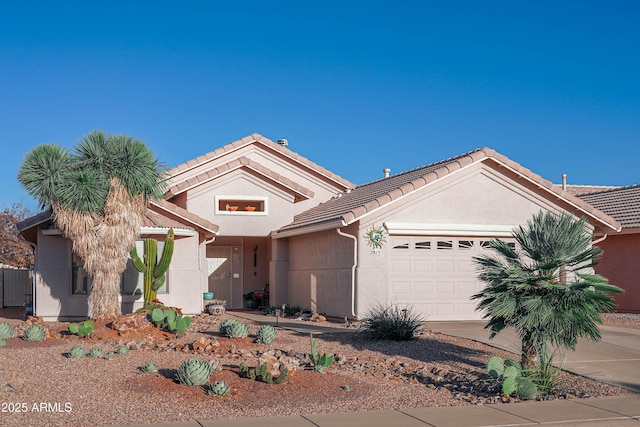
355, 86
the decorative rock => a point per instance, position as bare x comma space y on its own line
132, 322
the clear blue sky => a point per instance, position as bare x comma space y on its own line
355, 86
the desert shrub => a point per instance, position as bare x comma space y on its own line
389, 322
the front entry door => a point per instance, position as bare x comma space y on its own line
224, 268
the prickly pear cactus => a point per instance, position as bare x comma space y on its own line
194, 372
266, 334
33, 333
237, 330
76, 352
95, 352
6, 330
122, 350
525, 389
218, 388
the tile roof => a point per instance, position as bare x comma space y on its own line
240, 162
622, 203
352, 205
256, 138
159, 214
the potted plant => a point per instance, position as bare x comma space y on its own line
250, 300
216, 307
232, 208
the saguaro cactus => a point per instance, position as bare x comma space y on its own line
153, 270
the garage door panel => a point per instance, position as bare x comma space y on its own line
445, 266
437, 275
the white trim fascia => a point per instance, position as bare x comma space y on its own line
474, 230
165, 230
537, 184
310, 229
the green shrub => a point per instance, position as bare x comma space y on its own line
167, 318
320, 362
76, 352
6, 331
95, 353
148, 367
82, 329
34, 333
266, 334
195, 372
291, 310
389, 322
218, 388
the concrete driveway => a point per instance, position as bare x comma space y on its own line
615, 359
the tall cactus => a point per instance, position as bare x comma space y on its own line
153, 270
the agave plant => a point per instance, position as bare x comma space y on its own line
76, 352
194, 372
34, 333
6, 330
218, 388
266, 334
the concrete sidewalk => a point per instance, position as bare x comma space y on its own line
601, 412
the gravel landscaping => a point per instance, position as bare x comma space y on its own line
40, 386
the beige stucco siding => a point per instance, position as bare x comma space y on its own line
320, 272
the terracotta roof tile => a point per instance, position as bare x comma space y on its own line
235, 164
353, 205
577, 190
267, 143
622, 203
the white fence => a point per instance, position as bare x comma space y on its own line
15, 284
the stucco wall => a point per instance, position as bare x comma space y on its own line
320, 272
54, 300
620, 265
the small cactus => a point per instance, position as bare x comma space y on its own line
33, 333
226, 323
109, 355
3, 342
237, 330
76, 352
194, 372
218, 388
260, 373
122, 350
149, 367
95, 353
266, 334
6, 330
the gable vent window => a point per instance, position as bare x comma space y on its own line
239, 205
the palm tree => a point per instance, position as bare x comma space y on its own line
98, 195
544, 288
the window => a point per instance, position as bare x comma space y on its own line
465, 244
79, 277
445, 244
132, 281
423, 245
401, 246
240, 205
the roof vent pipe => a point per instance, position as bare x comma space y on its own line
283, 142
564, 182
386, 172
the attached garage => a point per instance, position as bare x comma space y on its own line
435, 275
411, 237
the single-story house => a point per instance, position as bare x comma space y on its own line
254, 215
621, 250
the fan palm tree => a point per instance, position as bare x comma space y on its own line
544, 288
98, 195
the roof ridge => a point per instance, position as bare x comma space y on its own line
610, 190
430, 165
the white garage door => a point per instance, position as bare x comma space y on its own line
436, 276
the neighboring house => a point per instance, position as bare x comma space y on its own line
620, 261
254, 215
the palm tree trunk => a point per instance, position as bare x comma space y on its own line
528, 355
